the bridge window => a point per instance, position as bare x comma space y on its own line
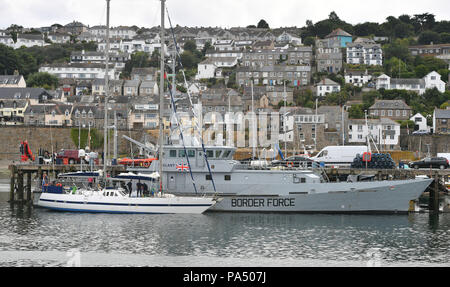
191, 153
226, 154
227, 177
208, 177
210, 153
181, 153
172, 153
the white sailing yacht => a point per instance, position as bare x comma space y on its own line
116, 200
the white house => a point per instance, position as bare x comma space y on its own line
60, 38
224, 45
327, 86
420, 122
433, 80
430, 81
120, 32
81, 71
7, 40
29, 40
206, 69
364, 53
286, 37
225, 62
357, 78
385, 132
130, 46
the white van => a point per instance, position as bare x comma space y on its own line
339, 155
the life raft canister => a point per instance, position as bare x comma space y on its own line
367, 156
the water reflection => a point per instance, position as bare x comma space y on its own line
277, 239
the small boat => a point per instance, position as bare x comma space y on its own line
136, 162
116, 200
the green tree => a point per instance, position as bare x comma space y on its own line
206, 47
398, 49
428, 37
356, 112
444, 37
190, 46
369, 99
309, 41
137, 60
366, 29
394, 67
189, 60
9, 62
262, 24
42, 80
444, 74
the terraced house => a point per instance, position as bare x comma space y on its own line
328, 55
270, 57
364, 53
441, 121
393, 109
274, 75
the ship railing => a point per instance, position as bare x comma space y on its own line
295, 165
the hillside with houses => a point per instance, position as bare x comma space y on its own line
330, 82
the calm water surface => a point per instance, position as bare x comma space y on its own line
39, 237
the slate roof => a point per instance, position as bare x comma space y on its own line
442, 114
22, 93
389, 104
10, 79
338, 32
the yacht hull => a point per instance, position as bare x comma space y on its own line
100, 204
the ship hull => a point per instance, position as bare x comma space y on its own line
367, 197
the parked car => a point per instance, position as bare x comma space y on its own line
433, 162
294, 161
420, 132
70, 154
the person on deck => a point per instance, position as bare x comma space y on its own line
145, 189
139, 188
130, 186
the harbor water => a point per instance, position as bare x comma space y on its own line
32, 236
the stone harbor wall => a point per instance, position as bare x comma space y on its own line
59, 138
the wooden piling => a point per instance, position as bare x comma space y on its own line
434, 196
20, 186
12, 183
29, 199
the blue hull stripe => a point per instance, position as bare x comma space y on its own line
123, 204
101, 211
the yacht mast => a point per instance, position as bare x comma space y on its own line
253, 129
161, 100
105, 136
